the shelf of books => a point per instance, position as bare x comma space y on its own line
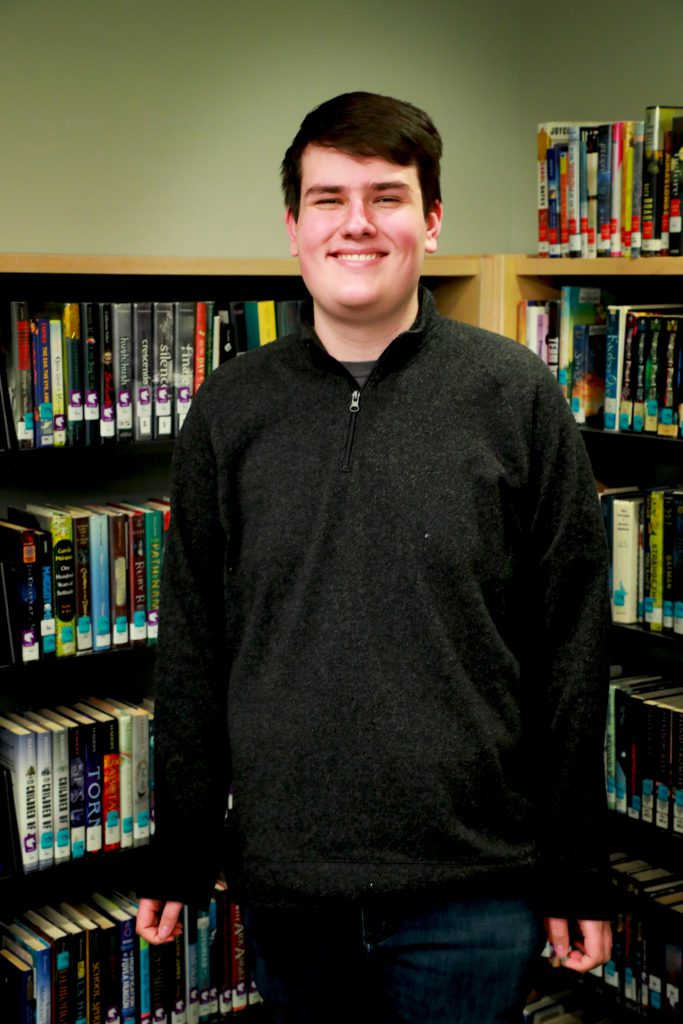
99, 360
612, 332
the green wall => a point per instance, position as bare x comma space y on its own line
158, 127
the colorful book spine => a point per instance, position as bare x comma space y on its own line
654, 561
57, 378
90, 328
106, 363
184, 360
199, 347
163, 349
668, 409
617, 158
637, 194
20, 375
60, 528
627, 187
22, 589
73, 373
43, 423
98, 536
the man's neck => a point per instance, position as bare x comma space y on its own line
358, 340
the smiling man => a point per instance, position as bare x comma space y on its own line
384, 621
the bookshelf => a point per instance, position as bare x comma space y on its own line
135, 471
617, 459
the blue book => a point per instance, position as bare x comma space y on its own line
18, 937
43, 424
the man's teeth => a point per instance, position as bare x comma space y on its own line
358, 256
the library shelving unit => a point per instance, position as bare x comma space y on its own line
133, 471
618, 459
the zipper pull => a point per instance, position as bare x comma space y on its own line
355, 401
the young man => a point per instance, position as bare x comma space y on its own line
384, 622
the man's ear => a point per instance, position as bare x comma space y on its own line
290, 224
434, 221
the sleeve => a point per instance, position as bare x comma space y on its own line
192, 759
567, 660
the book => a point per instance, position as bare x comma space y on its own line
80, 522
16, 988
73, 372
106, 365
616, 172
43, 423
637, 190
60, 783
94, 959
139, 721
137, 589
163, 368
267, 325
48, 638
78, 956
627, 515
92, 352
94, 739
654, 560
604, 232
19, 370
122, 353
18, 755
125, 923
58, 384
125, 749
108, 952
117, 545
142, 371
31, 948
44, 788
153, 534
578, 305
77, 821
588, 377
185, 313
108, 741
676, 187
10, 844
21, 586
64, 977
59, 526
658, 121
200, 352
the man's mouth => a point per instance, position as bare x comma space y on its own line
358, 257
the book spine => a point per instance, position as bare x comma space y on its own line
118, 578
90, 323
19, 560
652, 377
126, 778
142, 371
653, 165
48, 625
574, 190
99, 578
612, 368
642, 355
20, 375
625, 523
668, 410
578, 402
628, 377
111, 791
60, 792
199, 347
666, 194
654, 555
267, 323
77, 791
668, 581
184, 360
163, 368
73, 364
563, 162
617, 157
18, 754
94, 784
627, 187
542, 188
677, 770
203, 966
604, 189
137, 589
42, 389
44, 782
81, 539
122, 340
637, 200
140, 725
57, 377
64, 573
106, 362
154, 540
239, 966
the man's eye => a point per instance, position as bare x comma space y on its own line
328, 201
384, 200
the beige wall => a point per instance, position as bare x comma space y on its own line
155, 127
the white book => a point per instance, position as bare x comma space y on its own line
76, 779
44, 790
626, 514
60, 784
18, 754
140, 767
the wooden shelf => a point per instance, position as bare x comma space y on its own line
541, 266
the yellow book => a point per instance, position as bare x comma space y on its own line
267, 326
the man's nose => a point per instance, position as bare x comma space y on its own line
359, 219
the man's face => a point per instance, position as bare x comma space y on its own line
361, 237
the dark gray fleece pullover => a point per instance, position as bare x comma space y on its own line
384, 620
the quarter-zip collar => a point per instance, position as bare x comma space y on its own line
397, 351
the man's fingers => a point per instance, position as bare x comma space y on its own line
557, 930
169, 925
158, 922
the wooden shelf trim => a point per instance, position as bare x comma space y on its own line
31, 263
541, 266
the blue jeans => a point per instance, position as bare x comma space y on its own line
397, 961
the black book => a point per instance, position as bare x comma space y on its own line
10, 851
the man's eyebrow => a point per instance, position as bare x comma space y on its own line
374, 186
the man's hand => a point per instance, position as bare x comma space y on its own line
158, 921
593, 948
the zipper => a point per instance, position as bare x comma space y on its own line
354, 409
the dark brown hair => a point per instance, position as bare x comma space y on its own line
367, 124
